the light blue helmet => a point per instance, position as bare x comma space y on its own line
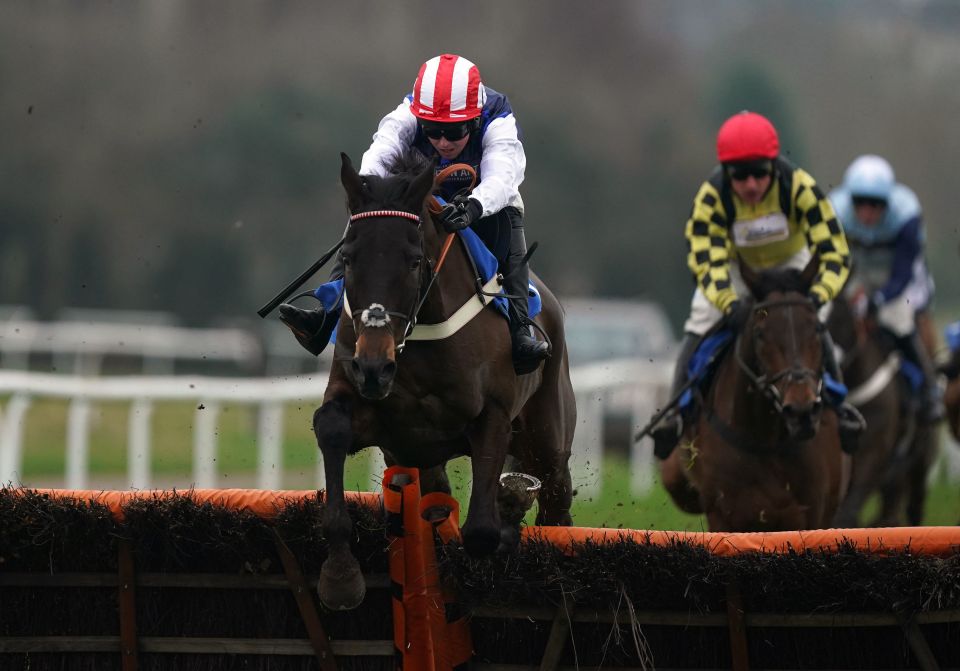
870, 176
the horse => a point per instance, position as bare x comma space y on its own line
423, 402
762, 452
897, 448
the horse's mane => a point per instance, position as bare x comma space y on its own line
784, 280
403, 168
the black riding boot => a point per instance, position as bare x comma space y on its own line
852, 423
312, 328
528, 352
666, 434
931, 400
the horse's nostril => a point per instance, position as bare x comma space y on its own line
389, 370
355, 368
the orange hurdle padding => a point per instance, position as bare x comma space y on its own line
453, 645
934, 541
262, 503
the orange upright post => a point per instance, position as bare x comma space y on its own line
453, 646
412, 633
429, 631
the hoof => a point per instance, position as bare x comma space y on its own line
481, 542
341, 586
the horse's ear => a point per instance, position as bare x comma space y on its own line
420, 187
809, 272
351, 182
750, 277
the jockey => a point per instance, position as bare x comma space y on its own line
451, 115
756, 208
884, 223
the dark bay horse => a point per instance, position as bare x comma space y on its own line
424, 402
763, 453
896, 449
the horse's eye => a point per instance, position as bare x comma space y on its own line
416, 263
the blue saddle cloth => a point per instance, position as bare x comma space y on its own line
952, 335
912, 373
330, 294
708, 354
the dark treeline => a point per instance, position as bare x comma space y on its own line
183, 156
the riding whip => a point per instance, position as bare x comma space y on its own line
303, 277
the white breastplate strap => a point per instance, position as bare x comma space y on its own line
881, 377
457, 320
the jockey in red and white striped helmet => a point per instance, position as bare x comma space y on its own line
451, 115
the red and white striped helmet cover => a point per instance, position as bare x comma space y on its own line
448, 89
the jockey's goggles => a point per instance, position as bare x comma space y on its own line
868, 201
756, 169
452, 131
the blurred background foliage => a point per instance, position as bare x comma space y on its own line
183, 155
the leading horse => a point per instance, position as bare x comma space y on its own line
424, 402
762, 454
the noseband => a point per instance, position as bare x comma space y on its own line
767, 384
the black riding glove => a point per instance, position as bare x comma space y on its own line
460, 213
816, 299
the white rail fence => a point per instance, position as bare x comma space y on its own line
628, 387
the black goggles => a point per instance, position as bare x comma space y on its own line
755, 169
868, 201
452, 131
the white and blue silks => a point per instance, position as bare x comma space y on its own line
330, 294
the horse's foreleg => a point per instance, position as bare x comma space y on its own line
488, 439
341, 585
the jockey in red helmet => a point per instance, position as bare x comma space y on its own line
451, 115
756, 208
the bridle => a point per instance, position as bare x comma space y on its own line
376, 315
765, 383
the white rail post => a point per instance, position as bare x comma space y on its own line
78, 443
586, 459
205, 445
269, 445
138, 444
11, 439
641, 453
321, 474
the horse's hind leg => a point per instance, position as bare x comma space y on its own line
542, 445
341, 585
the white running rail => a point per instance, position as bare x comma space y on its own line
629, 387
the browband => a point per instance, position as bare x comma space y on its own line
384, 213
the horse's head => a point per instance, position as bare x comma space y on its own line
383, 260
780, 348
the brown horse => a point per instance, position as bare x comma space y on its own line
897, 449
424, 402
762, 454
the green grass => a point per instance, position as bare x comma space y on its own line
172, 440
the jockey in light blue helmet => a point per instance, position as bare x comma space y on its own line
883, 221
